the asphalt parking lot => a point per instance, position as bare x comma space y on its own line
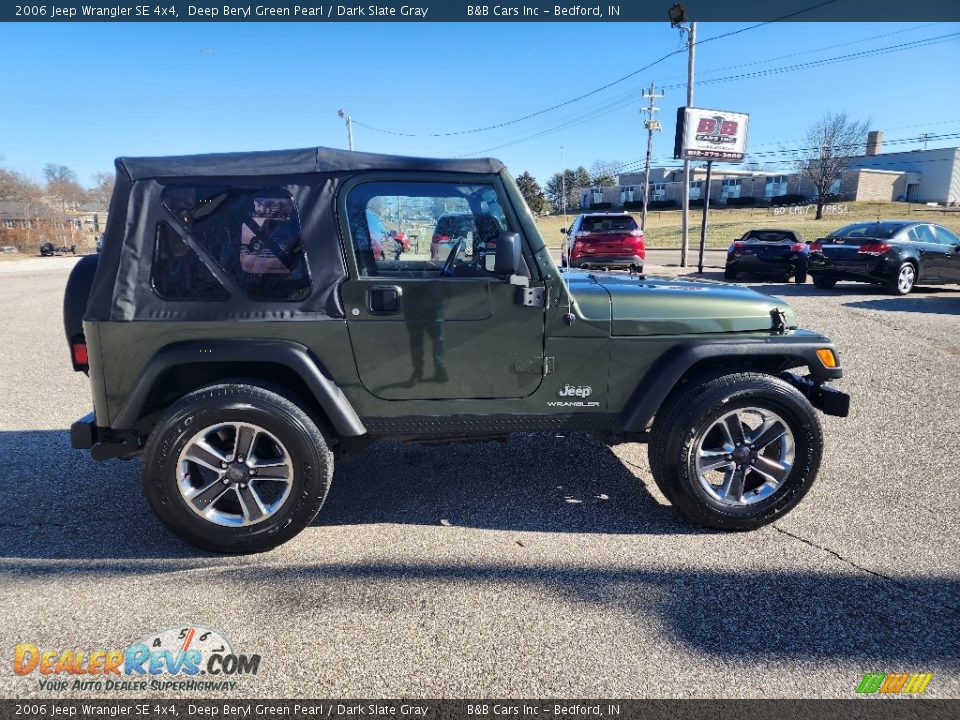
542, 567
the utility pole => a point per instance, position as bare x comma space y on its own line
678, 19
563, 188
926, 138
652, 126
349, 120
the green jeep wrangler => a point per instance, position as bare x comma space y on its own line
250, 314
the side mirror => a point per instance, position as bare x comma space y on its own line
508, 258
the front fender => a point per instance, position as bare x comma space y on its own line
795, 350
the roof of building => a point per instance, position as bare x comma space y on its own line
28, 210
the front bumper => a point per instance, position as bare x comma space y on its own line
827, 400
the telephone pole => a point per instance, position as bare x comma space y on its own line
926, 138
563, 188
349, 120
678, 19
652, 126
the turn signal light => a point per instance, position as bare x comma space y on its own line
816, 246
827, 357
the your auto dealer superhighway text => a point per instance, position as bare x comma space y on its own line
327, 11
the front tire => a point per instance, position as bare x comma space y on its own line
736, 452
824, 283
236, 468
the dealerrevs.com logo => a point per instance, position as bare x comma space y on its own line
191, 658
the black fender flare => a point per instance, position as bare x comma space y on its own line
292, 355
663, 377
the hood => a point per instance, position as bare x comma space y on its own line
674, 306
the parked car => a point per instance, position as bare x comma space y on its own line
48, 249
898, 254
240, 387
450, 229
608, 239
401, 240
768, 252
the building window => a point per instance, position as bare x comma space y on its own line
731, 188
775, 185
598, 195
696, 187
658, 191
626, 194
9, 224
834, 186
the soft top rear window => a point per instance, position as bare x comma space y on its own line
601, 223
879, 230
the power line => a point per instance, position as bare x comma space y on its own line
590, 93
761, 73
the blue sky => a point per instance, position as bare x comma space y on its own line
82, 94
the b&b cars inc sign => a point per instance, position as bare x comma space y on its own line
711, 135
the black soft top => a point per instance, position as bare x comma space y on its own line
122, 288
284, 162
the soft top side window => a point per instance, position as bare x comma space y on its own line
252, 234
178, 273
425, 229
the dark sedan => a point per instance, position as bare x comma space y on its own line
768, 252
895, 253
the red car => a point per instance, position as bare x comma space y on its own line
401, 237
603, 240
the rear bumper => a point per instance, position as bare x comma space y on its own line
827, 400
103, 443
880, 271
754, 264
598, 261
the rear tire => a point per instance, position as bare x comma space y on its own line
904, 280
823, 283
752, 484
729, 273
270, 492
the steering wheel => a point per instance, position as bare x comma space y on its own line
447, 270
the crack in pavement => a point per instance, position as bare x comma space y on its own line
861, 568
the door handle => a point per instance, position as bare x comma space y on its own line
384, 300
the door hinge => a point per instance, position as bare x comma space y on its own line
531, 296
535, 366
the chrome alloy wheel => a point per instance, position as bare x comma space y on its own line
234, 474
906, 278
744, 456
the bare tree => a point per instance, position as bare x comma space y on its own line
54, 173
829, 145
103, 188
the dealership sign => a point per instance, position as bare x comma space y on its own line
716, 135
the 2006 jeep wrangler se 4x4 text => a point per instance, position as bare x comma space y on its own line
250, 314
